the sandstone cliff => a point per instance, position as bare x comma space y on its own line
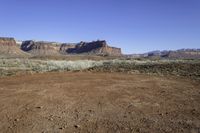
48, 48
95, 47
9, 48
40, 48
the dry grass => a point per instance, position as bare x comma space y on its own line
188, 68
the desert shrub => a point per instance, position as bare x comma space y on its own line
189, 68
47, 65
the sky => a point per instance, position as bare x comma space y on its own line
136, 26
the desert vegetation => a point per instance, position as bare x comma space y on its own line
186, 68
14, 66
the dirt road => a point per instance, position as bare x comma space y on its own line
99, 103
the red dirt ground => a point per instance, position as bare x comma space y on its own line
99, 103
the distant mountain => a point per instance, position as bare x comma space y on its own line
170, 54
183, 54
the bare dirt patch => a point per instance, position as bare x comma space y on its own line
99, 102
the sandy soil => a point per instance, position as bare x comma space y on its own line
99, 103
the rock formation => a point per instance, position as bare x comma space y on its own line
9, 48
7, 41
49, 48
95, 47
40, 48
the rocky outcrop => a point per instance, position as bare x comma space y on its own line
95, 47
66, 47
40, 48
7, 41
9, 48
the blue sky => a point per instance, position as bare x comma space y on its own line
136, 26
